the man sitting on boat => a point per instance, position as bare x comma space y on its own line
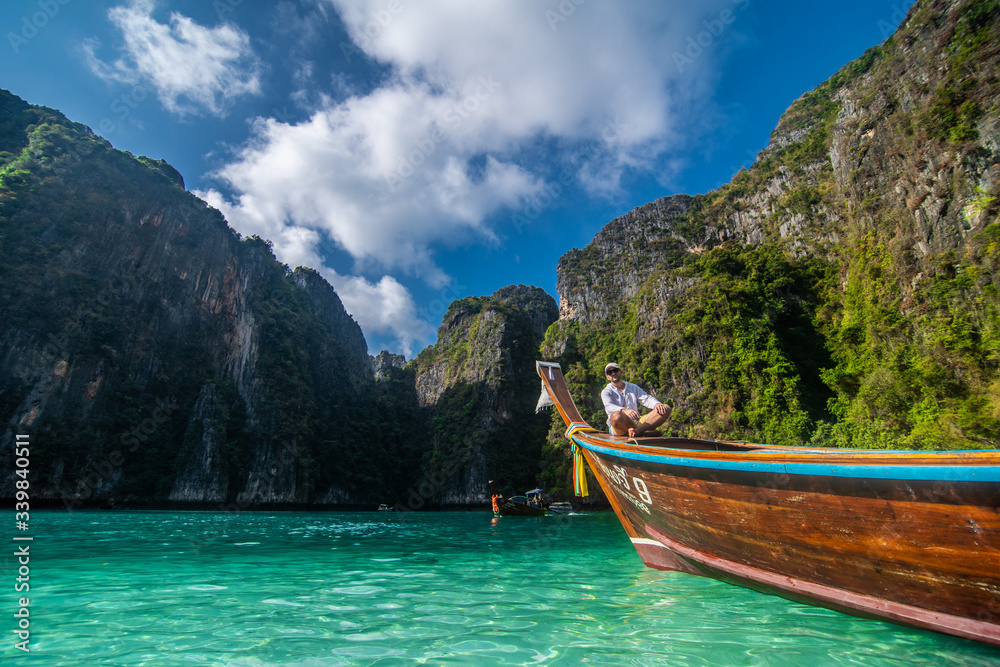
621, 400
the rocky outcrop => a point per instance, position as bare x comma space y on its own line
478, 382
885, 141
125, 295
886, 178
384, 365
339, 326
202, 479
614, 266
155, 356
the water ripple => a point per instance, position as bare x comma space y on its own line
261, 590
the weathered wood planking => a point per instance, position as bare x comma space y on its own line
909, 537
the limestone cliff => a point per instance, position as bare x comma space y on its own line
909, 133
478, 383
154, 356
151, 352
870, 304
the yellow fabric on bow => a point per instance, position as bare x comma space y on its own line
579, 462
579, 472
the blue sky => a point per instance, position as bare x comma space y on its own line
418, 152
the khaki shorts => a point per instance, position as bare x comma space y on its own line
642, 420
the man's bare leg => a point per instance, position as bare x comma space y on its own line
649, 423
622, 423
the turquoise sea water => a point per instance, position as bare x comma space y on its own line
381, 588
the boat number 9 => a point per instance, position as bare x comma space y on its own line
640, 487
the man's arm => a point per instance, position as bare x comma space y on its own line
611, 398
644, 398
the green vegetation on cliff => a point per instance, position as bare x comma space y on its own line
158, 356
840, 292
122, 294
743, 336
479, 387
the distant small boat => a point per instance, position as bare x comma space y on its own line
911, 537
384, 508
530, 504
560, 507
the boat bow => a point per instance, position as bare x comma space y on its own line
903, 536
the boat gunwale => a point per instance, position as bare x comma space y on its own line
953, 471
659, 447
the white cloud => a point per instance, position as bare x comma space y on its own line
190, 67
449, 138
384, 308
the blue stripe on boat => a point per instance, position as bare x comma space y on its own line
957, 473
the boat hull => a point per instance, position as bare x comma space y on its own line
510, 508
904, 536
513, 507
923, 551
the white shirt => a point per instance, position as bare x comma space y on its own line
627, 399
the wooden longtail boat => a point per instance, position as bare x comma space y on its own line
529, 504
910, 537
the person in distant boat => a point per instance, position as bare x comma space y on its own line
621, 400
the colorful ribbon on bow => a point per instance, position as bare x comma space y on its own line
579, 462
